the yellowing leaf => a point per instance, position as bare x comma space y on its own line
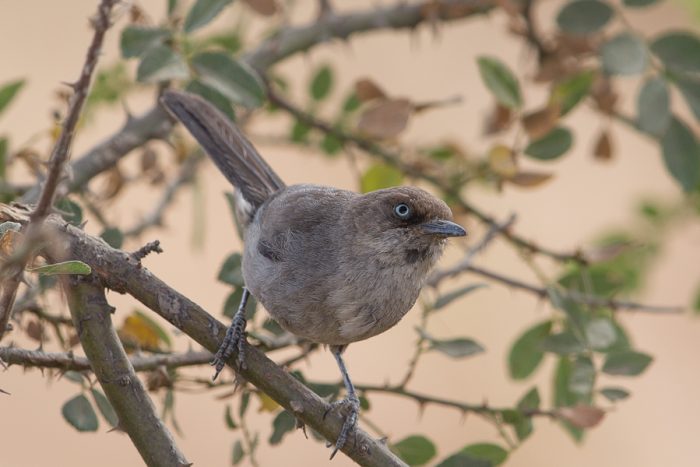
385, 119
529, 179
141, 331
502, 161
263, 7
9, 242
267, 404
582, 416
366, 90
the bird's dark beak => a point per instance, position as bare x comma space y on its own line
443, 228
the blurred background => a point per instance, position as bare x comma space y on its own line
586, 198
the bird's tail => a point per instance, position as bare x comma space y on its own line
230, 150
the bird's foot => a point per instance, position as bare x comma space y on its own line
350, 409
234, 340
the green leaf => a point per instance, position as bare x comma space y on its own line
572, 90
105, 407
415, 450
583, 17
135, 40
228, 417
66, 267
624, 54
234, 300
696, 301
690, 89
653, 107
500, 81
9, 91
161, 63
80, 414
463, 460
614, 394
351, 103
113, 236
321, 83
523, 424
331, 145
74, 376
231, 272
300, 132
639, 3
3, 157
284, 423
681, 154
582, 377
526, 353
245, 399
172, 6
238, 453
70, 211
550, 146
380, 176
8, 225
210, 94
202, 12
446, 299
564, 397
600, 333
492, 453
228, 41
232, 78
626, 363
564, 343
678, 50
457, 348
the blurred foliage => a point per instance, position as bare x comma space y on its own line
591, 51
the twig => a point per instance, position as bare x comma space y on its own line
183, 178
148, 248
137, 415
579, 297
59, 156
437, 276
67, 361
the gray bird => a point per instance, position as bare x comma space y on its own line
331, 266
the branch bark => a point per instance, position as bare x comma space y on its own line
137, 414
67, 361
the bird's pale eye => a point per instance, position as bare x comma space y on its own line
402, 211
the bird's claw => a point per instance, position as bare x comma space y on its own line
234, 339
350, 408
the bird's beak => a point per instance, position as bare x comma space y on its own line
443, 228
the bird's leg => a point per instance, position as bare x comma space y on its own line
234, 339
350, 406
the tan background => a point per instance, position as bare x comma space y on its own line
45, 42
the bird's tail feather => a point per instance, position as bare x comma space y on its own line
230, 150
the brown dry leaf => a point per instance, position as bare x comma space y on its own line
528, 179
604, 95
499, 120
157, 379
263, 7
114, 184
603, 150
551, 68
539, 123
35, 330
266, 403
9, 242
385, 119
139, 333
149, 159
502, 161
367, 90
582, 416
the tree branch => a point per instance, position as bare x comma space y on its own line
156, 124
137, 415
59, 155
119, 271
67, 361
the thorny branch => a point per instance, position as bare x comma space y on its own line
14, 268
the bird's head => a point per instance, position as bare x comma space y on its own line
404, 224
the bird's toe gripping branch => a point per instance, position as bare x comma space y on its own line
234, 339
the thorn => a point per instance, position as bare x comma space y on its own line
383, 440
72, 86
